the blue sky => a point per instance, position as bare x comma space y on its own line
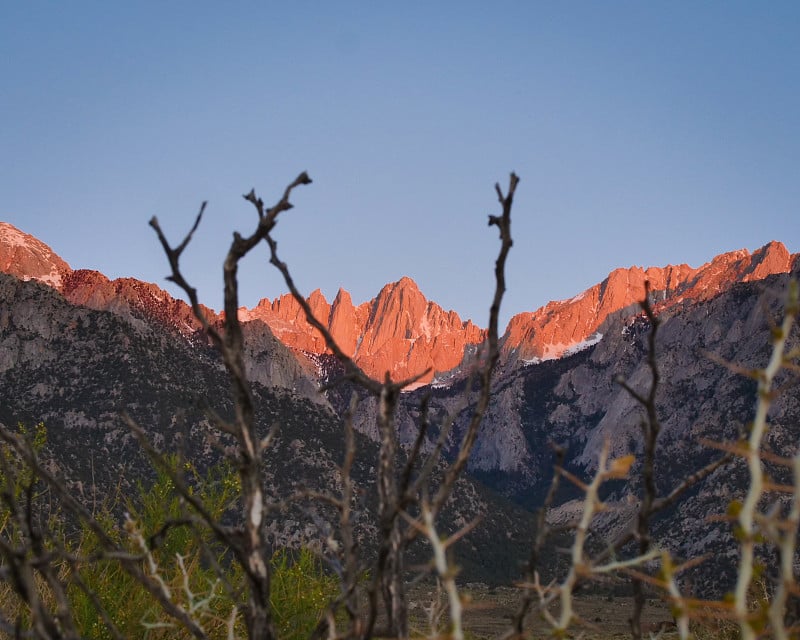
644, 133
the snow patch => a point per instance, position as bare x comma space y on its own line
585, 344
560, 350
52, 279
13, 236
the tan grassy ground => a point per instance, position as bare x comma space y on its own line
489, 613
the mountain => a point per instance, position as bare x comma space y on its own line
82, 347
27, 258
575, 402
77, 369
140, 303
401, 332
398, 331
559, 327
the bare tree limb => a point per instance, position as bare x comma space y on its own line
651, 427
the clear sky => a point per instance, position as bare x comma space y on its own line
644, 133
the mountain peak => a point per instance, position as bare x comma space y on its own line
317, 296
28, 258
407, 283
559, 327
405, 286
342, 297
773, 257
398, 331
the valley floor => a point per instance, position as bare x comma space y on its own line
489, 613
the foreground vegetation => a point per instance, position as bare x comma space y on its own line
99, 590
190, 556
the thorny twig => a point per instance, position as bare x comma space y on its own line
580, 566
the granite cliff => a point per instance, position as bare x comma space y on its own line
399, 331
575, 402
560, 327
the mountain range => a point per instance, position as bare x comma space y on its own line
399, 330
76, 347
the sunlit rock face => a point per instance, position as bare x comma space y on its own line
560, 327
143, 305
27, 258
404, 334
399, 331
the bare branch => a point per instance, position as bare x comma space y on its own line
503, 222
542, 531
651, 427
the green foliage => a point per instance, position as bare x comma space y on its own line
185, 557
19, 485
300, 592
15, 475
20, 506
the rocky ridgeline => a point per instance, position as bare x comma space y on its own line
141, 304
399, 331
557, 327
576, 403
